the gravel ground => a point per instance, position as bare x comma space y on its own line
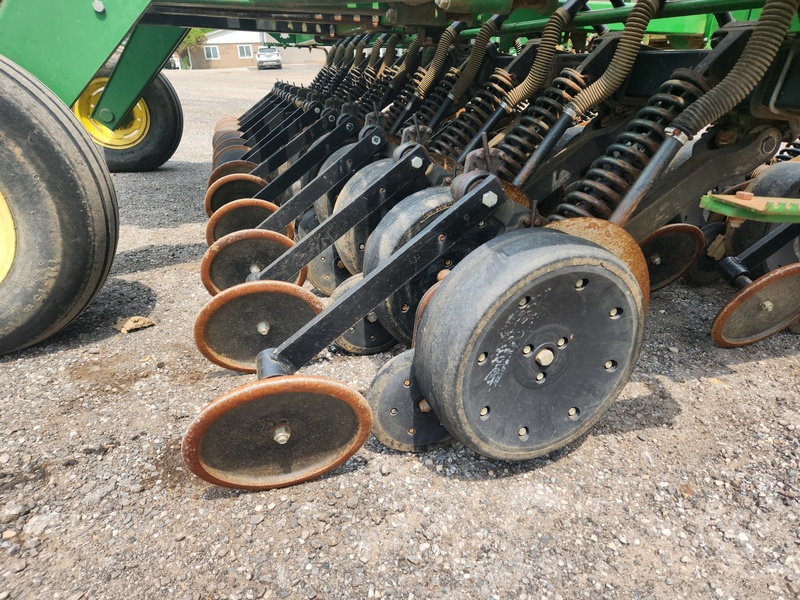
687, 488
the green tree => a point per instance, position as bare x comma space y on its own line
194, 38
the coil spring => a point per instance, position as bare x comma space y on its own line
523, 139
437, 98
366, 103
518, 46
455, 136
611, 175
789, 152
347, 89
404, 97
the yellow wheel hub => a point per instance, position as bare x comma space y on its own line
123, 137
8, 238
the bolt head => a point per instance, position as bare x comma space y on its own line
416, 162
376, 140
106, 114
489, 199
545, 357
767, 306
282, 435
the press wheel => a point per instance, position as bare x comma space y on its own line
352, 244
247, 213
410, 216
230, 260
670, 251
528, 341
305, 224
367, 336
324, 204
326, 271
238, 323
232, 187
765, 307
230, 168
401, 417
276, 432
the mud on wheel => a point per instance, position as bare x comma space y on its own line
58, 213
149, 136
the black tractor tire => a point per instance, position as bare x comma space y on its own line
60, 226
162, 137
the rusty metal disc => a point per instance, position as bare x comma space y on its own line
226, 123
238, 323
276, 432
401, 417
763, 308
221, 139
247, 213
704, 271
614, 239
670, 251
326, 271
367, 336
231, 259
232, 187
423, 304
228, 154
230, 168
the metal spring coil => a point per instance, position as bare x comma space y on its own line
525, 137
404, 97
347, 89
437, 98
366, 103
455, 136
611, 175
789, 152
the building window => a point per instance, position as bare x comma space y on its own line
212, 52
245, 52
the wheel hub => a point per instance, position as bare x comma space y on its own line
8, 238
123, 137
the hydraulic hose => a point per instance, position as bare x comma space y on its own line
551, 36
409, 65
375, 53
488, 30
618, 69
434, 71
758, 55
389, 54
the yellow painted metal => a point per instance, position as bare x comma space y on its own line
8, 238
123, 137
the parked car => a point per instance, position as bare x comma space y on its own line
268, 58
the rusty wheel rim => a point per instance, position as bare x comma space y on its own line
231, 259
276, 432
232, 187
614, 239
238, 323
226, 123
670, 251
229, 154
247, 213
232, 167
763, 308
221, 139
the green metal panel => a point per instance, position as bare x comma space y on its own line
64, 42
142, 58
678, 8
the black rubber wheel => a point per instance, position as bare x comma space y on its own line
528, 341
58, 213
150, 136
405, 220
